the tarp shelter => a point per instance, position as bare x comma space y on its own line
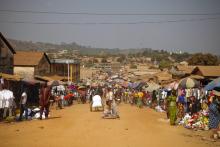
213, 84
140, 85
188, 83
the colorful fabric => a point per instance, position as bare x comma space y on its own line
181, 112
196, 121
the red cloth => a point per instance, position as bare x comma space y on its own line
68, 96
44, 96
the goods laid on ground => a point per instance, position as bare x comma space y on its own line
197, 121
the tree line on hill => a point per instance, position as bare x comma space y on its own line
164, 58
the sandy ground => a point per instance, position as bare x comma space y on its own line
76, 126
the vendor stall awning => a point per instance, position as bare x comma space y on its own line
32, 81
43, 78
10, 77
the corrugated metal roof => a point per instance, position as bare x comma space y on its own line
65, 61
28, 58
186, 69
209, 71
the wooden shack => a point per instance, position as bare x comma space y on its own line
27, 64
6, 56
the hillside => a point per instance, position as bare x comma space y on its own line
87, 50
84, 50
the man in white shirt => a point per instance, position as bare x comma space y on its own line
8, 99
23, 107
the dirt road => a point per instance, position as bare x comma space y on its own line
76, 126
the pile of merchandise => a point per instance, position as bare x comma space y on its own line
197, 121
33, 114
159, 109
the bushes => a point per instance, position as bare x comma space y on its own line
165, 64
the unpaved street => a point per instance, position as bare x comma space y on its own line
76, 126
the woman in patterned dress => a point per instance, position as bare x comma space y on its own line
181, 103
214, 114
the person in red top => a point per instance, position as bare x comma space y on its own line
45, 93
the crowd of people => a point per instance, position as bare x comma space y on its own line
195, 108
182, 105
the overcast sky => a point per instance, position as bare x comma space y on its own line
192, 33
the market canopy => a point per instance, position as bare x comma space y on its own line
213, 84
173, 85
43, 78
152, 86
141, 85
188, 83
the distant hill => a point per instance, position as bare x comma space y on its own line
87, 50
84, 50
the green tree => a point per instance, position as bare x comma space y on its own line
165, 64
181, 57
203, 59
